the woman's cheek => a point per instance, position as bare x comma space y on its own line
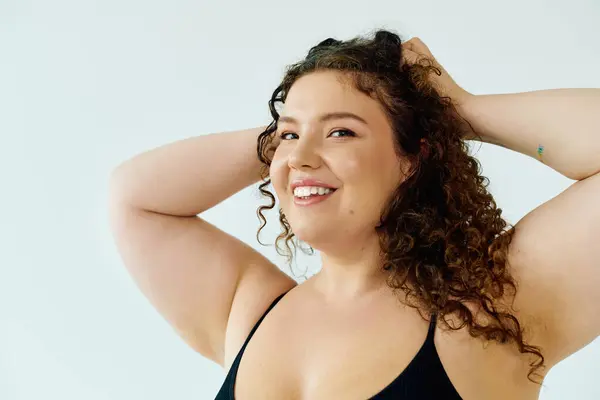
278, 175
349, 170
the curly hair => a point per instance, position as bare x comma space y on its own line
442, 237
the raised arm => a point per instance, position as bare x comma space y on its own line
207, 284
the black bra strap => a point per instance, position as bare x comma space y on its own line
263, 316
432, 324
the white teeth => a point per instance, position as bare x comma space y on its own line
305, 191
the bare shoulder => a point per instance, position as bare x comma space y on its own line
209, 286
257, 289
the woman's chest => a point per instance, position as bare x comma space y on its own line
321, 356
324, 359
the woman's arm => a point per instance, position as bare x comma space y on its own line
554, 254
189, 176
565, 122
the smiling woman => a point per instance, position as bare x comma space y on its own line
369, 163
406, 185
351, 162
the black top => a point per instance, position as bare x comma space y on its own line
423, 379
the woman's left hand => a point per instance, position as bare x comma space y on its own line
413, 50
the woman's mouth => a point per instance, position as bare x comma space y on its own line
303, 197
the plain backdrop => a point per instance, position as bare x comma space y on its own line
85, 85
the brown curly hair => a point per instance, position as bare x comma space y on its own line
442, 237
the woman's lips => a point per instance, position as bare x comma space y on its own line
315, 199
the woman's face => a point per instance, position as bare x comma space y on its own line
357, 158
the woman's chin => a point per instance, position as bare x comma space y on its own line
312, 235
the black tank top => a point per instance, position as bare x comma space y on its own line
423, 379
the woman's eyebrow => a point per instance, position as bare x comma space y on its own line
328, 117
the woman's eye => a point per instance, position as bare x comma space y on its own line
343, 130
348, 133
282, 136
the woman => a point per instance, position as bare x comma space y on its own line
369, 163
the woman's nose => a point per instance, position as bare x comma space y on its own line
304, 155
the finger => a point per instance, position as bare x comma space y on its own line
409, 44
409, 56
418, 46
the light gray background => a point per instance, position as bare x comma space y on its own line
85, 85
